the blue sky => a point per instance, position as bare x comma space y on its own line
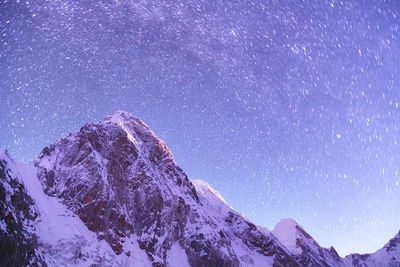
288, 108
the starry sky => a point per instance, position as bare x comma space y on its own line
289, 108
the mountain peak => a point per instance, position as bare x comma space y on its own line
122, 118
303, 246
120, 115
118, 177
287, 223
136, 130
288, 231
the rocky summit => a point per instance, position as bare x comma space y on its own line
112, 195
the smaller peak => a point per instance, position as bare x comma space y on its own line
286, 232
286, 223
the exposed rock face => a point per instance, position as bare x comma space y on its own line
111, 195
107, 180
17, 211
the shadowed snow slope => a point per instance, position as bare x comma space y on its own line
112, 195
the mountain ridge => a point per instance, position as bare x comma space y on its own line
117, 183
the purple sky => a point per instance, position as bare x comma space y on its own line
288, 108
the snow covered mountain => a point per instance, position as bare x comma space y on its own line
389, 255
303, 247
112, 195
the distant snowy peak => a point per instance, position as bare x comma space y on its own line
291, 235
287, 233
304, 248
389, 255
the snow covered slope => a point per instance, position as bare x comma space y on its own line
304, 248
53, 234
389, 255
112, 195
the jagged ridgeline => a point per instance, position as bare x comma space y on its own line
112, 195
